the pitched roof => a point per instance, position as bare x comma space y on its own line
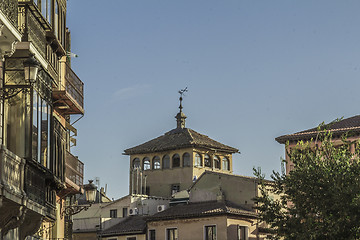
179, 138
201, 209
351, 124
130, 225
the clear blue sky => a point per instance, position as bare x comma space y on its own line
255, 70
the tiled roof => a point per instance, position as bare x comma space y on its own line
201, 209
179, 138
351, 124
130, 225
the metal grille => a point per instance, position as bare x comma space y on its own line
10, 8
74, 86
74, 169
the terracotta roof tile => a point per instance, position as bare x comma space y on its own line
351, 124
130, 225
201, 209
179, 138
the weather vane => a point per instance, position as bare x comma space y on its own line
182, 91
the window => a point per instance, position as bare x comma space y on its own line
136, 163
171, 234
207, 161
56, 19
125, 212
242, 233
175, 188
198, 160
146, 162
113, 213
166, 161
131, 238
225, 164
152, 235
49, 11
210, 232
186, 160
176, 161
156, 163
216, 162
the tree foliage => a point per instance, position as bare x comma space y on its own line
320, 197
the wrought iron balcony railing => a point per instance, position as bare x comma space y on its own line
10, 9
11, 171
69, 95
74, 169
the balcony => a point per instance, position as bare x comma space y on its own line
10, 9
11, 174
74, 173
69, 95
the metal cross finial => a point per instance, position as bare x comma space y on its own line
182, 91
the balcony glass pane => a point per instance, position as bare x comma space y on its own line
35, 126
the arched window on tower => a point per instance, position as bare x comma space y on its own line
136, 163
186, 160
166, 162
216, 162
156, 162
198, 160
176, 160
146, 163
225, 164
207, 160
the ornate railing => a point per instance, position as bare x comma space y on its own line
74, 86
11, 171
74, 169
10, 9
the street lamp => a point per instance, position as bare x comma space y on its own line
90, 195
31, 68
90, 192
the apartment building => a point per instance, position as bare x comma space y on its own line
40, 96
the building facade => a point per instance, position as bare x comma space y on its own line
40, 95
338, 129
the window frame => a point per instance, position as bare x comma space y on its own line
148, 164
246, 232
206, 237
150, 236
198, 160
207, 161
176, 157
167, 159
155, 160
167, 231
189, 160
133, 163
113, 213
216, 159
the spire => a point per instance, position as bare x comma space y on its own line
180, 117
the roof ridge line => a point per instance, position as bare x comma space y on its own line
192, 138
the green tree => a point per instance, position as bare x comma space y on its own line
320, 198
